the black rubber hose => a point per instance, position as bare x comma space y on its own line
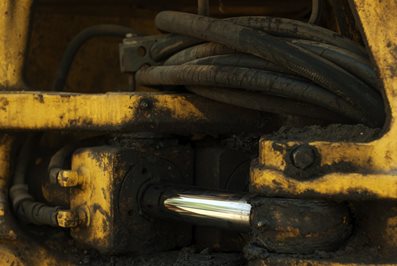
266, 103
281, 27
284, 27
77, 42
203, 7
354, 64
315, 15
248, 79
31, 211
23, 203
57, 161
171, 44
240, 60
198, 51
282, 53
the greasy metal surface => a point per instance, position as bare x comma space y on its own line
291, 226
113, 223
376, 160
124, 111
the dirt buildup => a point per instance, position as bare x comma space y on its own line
185, 257
336, 132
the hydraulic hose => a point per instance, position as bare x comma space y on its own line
23, 203
316, 9
77, 42
57, 161
266, 103
248, 79
271, 56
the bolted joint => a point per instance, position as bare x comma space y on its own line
69, 178
72, 218
303, 156
67, 218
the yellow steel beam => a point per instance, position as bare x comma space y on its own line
14, 28
124, 111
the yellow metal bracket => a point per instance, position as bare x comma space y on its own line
376, 160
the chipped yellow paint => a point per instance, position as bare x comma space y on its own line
180, 108
57, 111
378, 159
273, 182
94, 195
8, 257
273, 154
14, 26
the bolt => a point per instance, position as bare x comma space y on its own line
303, 157
68, 178
260, 224
145, 104
67, 219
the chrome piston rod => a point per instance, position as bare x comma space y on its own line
198, 206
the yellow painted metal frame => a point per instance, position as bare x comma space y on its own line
37, 111
377, 160
122, 111
15, 247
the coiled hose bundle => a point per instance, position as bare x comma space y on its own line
269, 64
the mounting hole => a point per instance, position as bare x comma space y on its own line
141, 51
130, 212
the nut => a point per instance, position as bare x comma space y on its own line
303, 157
69, 178
67, 219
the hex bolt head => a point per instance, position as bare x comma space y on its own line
303, 157
145, 104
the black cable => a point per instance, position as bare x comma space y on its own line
77, 42
249, 79
284, 27
171, 44
315, 15
354, 64
267, 103
198, 51
239, 60
345, 81
203, 7
24, 205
